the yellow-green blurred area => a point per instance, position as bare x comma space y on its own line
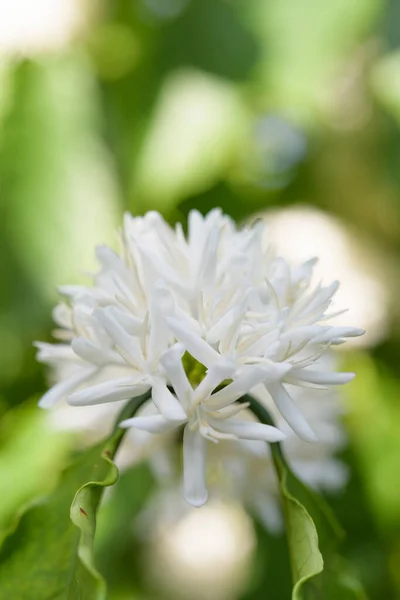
287, 106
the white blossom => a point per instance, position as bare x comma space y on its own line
193, 407
243, 471
169, 307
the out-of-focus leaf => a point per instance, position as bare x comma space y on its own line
30, 447
196, 128
50, 555
210, 36
390, 24
5, 81
386, 82
238, 203
298, 75
270, 568
57, 189
373, 421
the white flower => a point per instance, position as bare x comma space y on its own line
203, 422
243, 470
112, 352
236, 311
269, 317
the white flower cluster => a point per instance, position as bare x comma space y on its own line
200, 320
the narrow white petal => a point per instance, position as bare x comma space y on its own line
276, 371
320, 377
171, 360
89, 351
302, 334
325, 294
129, 344
161, 304
216, 374
231, 410
249, 377
72, 291
166, 402
244, 382
152, 424
208, 263
155, 263
194, 344
217, 331
62, 315
248, 430
195, 236
261, 345
231, 335
194, 467
290, 412
110, 260
109, 391
61, 389
336, 333
49, 353
132, 325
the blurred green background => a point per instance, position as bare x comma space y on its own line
288, 106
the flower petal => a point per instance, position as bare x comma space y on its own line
152, 424
109, 391
248, 430
161, 304
49, 353
194, 344
194, 467
111, 261
333, 334
132, 325
216, 374
320, 377
129, 344
171, 360
61, 389
167, 403
302, 334
88, 351
249, 377
290, 412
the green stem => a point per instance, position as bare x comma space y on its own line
127, 412
280, 465
263, 416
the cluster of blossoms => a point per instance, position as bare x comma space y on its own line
199, 320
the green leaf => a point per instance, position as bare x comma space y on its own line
313, 535
39, 469
50, 555
305, 557
51, 147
